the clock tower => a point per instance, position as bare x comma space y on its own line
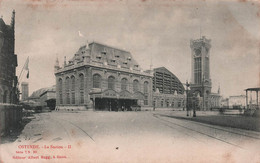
200, 70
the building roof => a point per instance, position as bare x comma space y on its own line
103, 53
163, 69
253, 89
37, 93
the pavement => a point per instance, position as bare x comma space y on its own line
146, 136
230, 119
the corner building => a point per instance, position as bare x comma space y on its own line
8, 63
101, 77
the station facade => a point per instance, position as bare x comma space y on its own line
102, 77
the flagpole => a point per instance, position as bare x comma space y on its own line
26, 62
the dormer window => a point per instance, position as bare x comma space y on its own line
117, 56
125, 63
113, 60
136, 66
98, 56
104, 52
129, 58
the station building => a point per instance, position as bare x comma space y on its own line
168, 91
102, 77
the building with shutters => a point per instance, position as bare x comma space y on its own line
102, 77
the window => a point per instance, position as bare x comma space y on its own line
72, 83
111, 82
136, 85
162, 103
67, 83
146, 100
197, 70
81, 81
60, 90
82, 97
81, 88
179, 104
124, 84
173, 104
96, 81
5, 97
146, 87
73, 97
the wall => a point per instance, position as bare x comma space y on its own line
10, 117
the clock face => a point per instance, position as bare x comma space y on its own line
197, 52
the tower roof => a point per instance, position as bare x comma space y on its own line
200, 42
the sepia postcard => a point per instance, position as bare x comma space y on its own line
129, 81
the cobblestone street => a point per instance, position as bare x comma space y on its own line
131, 136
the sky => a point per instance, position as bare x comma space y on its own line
157, 33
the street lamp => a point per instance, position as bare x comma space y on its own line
195, 103
187, 105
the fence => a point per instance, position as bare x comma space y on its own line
10, 117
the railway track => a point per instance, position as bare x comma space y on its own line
203, 128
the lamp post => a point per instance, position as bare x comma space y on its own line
187, 104
203, 94
195, 103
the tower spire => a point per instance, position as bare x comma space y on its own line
13, 20
65, 62
57, 65
218, 89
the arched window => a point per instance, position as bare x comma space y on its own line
60, 90
67, 83
96, 81
111, 82
81, 88
145, 87
81, 81
123, 84
73, 89
73, 83
136, 85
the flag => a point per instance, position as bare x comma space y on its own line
27, 76
26, 66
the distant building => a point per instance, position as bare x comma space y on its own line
25, 91
224, 102
8, 63
200, 78
44, 98
48, 98
102, 77
252, 103
167, 88
237, 101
